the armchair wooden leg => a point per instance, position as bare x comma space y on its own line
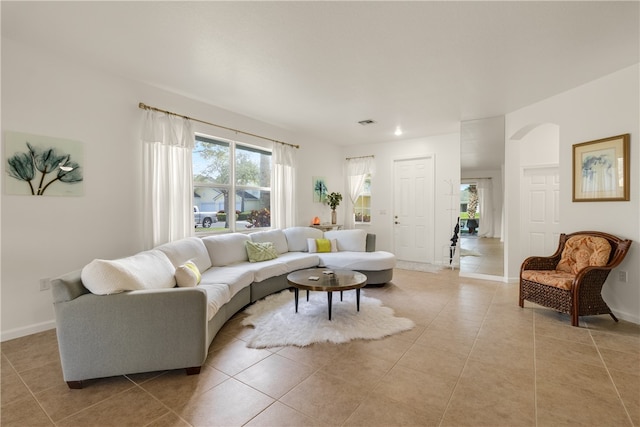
613, 317
74, 385
574, 319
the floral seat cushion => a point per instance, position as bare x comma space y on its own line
579, 252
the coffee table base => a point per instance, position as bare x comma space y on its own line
296, 293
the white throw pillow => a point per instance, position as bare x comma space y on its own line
226, 249
349, 240
145, 270
188, 275
297, 237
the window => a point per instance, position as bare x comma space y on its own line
229, 174
362, 206
469, 208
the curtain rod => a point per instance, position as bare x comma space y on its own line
360, 157
144, 106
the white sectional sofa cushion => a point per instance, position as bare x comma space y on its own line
144, 270
277, 237
217, 296
298, 261
297, 237
188, 249
226, 249
234, 277
349, 240
266, 269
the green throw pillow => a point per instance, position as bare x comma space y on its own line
323, 245
260, 251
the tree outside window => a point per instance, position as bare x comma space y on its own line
231, 181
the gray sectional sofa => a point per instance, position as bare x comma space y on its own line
137, 314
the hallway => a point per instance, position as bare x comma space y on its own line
481, 255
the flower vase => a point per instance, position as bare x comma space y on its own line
333, 216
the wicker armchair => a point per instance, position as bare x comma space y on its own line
584, 296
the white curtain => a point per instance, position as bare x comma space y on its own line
283, 212
357, 171
485, 195
168, 178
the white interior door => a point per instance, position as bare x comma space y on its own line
414, 210
540, 209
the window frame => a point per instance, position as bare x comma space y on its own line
232, 186
366, 191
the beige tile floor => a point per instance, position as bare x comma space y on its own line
474, 359
491, 259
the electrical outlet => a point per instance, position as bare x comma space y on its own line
622, 276
45, 284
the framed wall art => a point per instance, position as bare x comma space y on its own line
601, 170
39, 165
319, 189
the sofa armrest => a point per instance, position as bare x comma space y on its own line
67, 287
130, 332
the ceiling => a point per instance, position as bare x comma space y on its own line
317, 68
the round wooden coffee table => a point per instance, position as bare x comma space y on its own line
338, 280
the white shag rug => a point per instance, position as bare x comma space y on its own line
277, 324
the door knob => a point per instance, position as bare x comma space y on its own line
396, 222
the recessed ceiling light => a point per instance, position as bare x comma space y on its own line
366, 122
398, 131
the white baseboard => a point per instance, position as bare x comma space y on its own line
27, 330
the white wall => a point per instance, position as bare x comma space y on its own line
446, 150
605, 107
43, 237
317, 159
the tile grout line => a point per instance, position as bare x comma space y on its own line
615, 387
455, 387
29, 389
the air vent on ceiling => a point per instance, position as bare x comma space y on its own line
366, 122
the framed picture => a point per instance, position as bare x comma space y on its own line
319, 189
39, 165
601, 170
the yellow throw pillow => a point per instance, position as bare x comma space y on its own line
323, 245
188, 275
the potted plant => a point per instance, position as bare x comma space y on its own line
333, 200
